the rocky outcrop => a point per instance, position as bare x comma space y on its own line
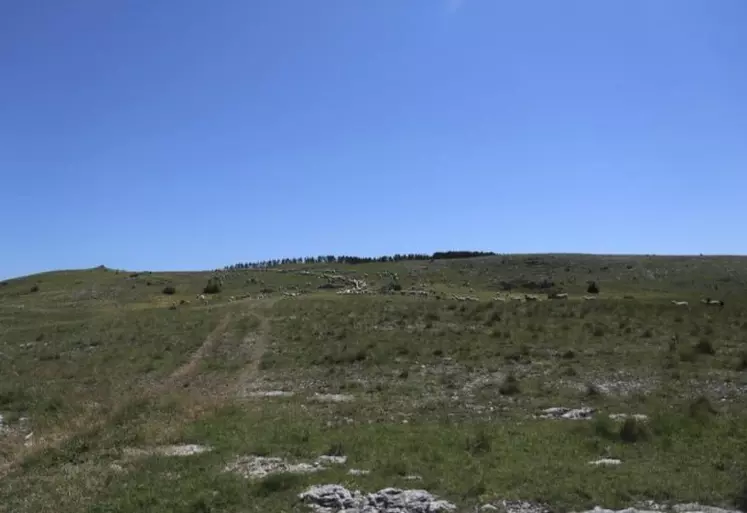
335, 498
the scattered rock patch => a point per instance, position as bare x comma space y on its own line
259, 467
516, 507
271, 393
333, 398
332, 460
166, 450
358, 472
655, 508
333, 498
646, 507
623, 416
605, 462
560, 412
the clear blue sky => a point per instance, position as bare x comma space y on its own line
176, 134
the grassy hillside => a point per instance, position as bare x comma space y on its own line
426, 381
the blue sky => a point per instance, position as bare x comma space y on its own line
176, 134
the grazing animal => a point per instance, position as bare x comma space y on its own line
712, 302
563, 295
499, 298
590, 298
680, 303
530, 297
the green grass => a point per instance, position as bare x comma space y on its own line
96, 363
466, 462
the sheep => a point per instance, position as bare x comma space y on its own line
530, 297
712, 302
499, 298
563, 295
680, 303
590, 298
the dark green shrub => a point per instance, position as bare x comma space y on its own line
275, 483
704, 346
336, 449
510, 386
741, 499
742, 363
605, 427
214, 286
169, 290
479, 443
633, 430
701, 409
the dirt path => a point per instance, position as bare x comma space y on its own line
258, 342
210, 341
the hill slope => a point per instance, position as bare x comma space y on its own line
427, 374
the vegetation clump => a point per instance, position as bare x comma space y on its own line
742, 363
510, 386
704, 346
633, 430
214, 286
701, 409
